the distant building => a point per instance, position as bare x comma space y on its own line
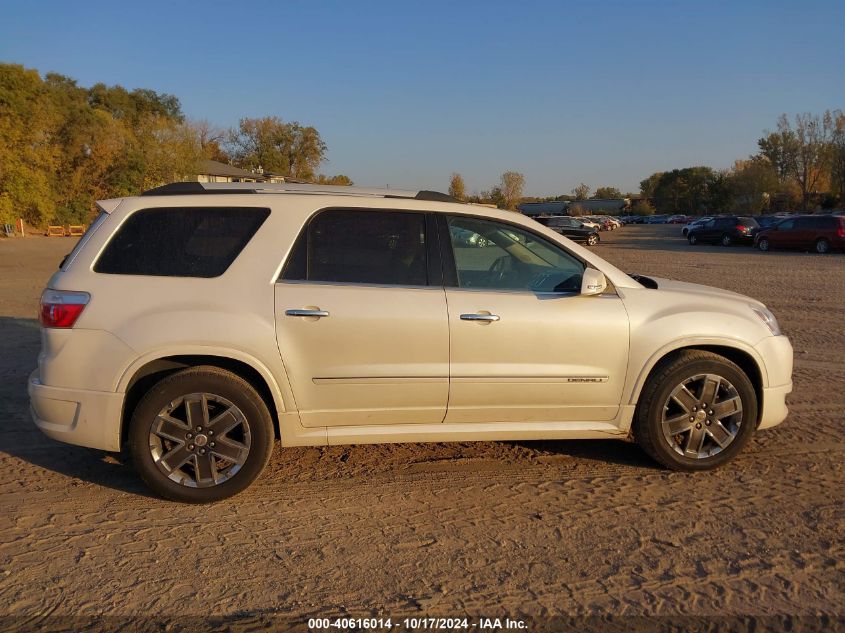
215, 171
608, 206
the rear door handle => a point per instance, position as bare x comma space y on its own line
479, 317
307, 313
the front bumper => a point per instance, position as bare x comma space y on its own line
76, 416
777, 354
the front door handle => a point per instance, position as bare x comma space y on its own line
479, 317
307, 313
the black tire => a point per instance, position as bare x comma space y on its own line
216, 383
726, 240
692, 238
822, 246
648, 418
592, 239
763, 244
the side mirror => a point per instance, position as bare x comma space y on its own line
593, 282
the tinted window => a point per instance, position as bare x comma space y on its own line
371, 247
503, 257
786, 225
180, 242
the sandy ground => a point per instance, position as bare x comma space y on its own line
475, 529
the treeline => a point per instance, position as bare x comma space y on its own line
62, 146
801, 165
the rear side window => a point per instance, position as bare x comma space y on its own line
180, 241
366, 247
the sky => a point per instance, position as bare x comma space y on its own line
405, 93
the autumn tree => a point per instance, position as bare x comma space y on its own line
289, 149
511, 185
802, 151
607, 193
752, 183
457, 189
581, 192
338, 179
837, 155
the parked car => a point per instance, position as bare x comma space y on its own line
677, 219
592, 223
725, 230
766, 221
572, 228
695, 224
194, 327
821, 233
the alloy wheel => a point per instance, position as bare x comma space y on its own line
822, 246
702, 416
763, 244
200, 440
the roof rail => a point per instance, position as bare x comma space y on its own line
193, 188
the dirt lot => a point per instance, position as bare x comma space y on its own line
520, 528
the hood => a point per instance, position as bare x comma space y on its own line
698, 289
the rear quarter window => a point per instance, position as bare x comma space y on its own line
180, 241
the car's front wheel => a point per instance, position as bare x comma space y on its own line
692, 238
200, 435
697, 411
726, 240
592, 239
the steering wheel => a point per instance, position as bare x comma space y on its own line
500, 268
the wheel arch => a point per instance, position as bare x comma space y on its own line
144, 373
745, 359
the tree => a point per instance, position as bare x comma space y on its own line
511, 185
457, 189
607, 193
644, 207
803, 152
286, 148
837, 155
648, 185
752, 183
339, 179
581, 192
576, 210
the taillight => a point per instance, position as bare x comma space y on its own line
742, 228
61, 308
840, 232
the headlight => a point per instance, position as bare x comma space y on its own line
768, 320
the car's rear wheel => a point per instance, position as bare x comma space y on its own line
692, 238
697, 411
726, 240
763, 244
201, 434
822, 246
592, 239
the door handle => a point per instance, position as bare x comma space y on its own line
479, 317
307, 313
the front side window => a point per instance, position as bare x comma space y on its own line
500, 256
359, 246
786, 225
180, 241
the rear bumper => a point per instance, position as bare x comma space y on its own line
76, 416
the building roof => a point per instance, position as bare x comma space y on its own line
216, 168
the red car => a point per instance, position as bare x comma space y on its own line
820, 233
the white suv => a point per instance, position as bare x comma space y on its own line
196, 322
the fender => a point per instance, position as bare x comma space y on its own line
204, 350
687, 341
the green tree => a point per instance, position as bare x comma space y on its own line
581, 192
457, 188
286, 148
648, 186
752, 183
837, 157
339, 179
607, 193
511, 186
